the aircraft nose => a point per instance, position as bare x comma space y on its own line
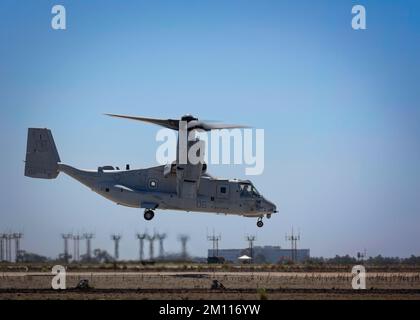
273, 208
270, 206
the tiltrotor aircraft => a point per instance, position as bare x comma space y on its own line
180, 185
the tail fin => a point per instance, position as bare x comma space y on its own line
41, 155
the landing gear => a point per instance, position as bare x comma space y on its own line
148, 214
259, 222
269, 216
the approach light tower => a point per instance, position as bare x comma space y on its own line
141, 237
116, 238
3, 238
151, 245
293, 240
6, 247
251, 240
76, 244
17, 236
215, 239
9, 247
88, 237
161, 237
66, 237
184, 239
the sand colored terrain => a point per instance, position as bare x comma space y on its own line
196, 285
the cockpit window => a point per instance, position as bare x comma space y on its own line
248, 190
255, 192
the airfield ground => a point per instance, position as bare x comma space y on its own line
195, 283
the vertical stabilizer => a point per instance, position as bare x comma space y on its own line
41, 155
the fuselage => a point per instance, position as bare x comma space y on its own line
152, 189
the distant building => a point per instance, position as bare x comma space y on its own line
268, 254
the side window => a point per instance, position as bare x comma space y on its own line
223, 191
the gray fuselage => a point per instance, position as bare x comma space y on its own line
152, 189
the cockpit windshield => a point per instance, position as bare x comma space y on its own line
247, 190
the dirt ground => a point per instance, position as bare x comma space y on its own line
196, 285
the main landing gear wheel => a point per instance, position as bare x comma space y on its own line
260, 223
148, 214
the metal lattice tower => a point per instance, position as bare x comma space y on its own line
251, 239
6, 247
9, 247
76, 243
3, 237
141, 237
184, 239
88, 237
293, 240
17, 236
116, 238
66, 237
161, 237
215, 239
151, 245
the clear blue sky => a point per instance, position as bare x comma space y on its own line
340, 109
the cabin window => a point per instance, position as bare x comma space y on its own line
223, 191
107, 190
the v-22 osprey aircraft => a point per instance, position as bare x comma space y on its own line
175, 186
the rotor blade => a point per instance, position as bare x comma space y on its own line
207, 126
167, 123
174, 124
